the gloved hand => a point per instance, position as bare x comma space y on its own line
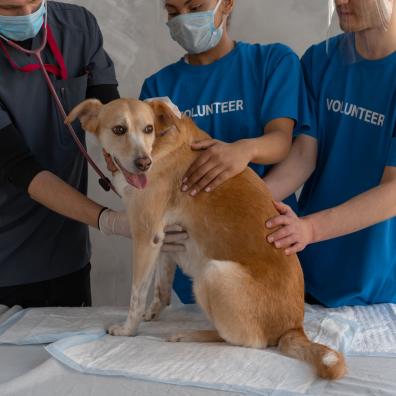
112, 222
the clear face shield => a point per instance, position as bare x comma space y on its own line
363, 24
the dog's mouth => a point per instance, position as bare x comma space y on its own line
138, 181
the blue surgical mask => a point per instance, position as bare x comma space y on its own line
22, 27
196, 32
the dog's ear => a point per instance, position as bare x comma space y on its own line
87, 112
165, 118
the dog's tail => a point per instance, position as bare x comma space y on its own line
329, 364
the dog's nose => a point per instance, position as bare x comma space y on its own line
143, 163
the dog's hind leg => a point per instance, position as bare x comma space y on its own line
228, 295
164, 275
197, 336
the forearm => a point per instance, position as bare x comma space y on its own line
362, 211
269, 149
287, 177
283, 181
53, 193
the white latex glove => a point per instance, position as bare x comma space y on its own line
112, 222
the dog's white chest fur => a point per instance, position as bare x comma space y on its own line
122, 186
192, 260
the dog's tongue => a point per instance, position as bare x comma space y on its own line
138, 181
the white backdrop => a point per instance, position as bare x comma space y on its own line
137, 39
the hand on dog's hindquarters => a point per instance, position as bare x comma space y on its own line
294, 234
217, 163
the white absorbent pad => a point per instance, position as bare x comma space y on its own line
45, 325
369, 330
150, 357
220, 366
84, 346
359, 330
9, 315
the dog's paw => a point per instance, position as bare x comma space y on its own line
176, 338
153, 312
149, 316
121, 330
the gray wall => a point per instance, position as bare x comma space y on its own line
137, 39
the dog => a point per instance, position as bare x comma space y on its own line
252, 292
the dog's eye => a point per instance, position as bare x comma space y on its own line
149, 129
119, 130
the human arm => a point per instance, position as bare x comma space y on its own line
364, 210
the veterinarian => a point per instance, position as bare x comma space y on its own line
249, 98
44, 256
347, 226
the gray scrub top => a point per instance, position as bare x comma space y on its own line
35, 243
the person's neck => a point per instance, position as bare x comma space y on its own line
374, 44
225, 46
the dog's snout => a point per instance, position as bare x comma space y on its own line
143, 163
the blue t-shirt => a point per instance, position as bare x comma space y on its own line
356, 113
236, 96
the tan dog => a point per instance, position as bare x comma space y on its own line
252, 292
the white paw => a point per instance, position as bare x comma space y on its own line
121, 330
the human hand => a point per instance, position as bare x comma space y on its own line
217, 163
294, 234
175, 236
111, 222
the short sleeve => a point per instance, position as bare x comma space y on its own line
285, 95
391, 160
147, 91
307, 70
5, 119
101, 67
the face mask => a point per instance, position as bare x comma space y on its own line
20, 28
196, 32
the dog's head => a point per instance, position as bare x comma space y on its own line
127, 130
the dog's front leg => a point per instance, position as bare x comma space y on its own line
165, 273
146, 249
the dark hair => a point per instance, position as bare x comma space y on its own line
228, 19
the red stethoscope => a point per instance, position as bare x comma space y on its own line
60, 71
